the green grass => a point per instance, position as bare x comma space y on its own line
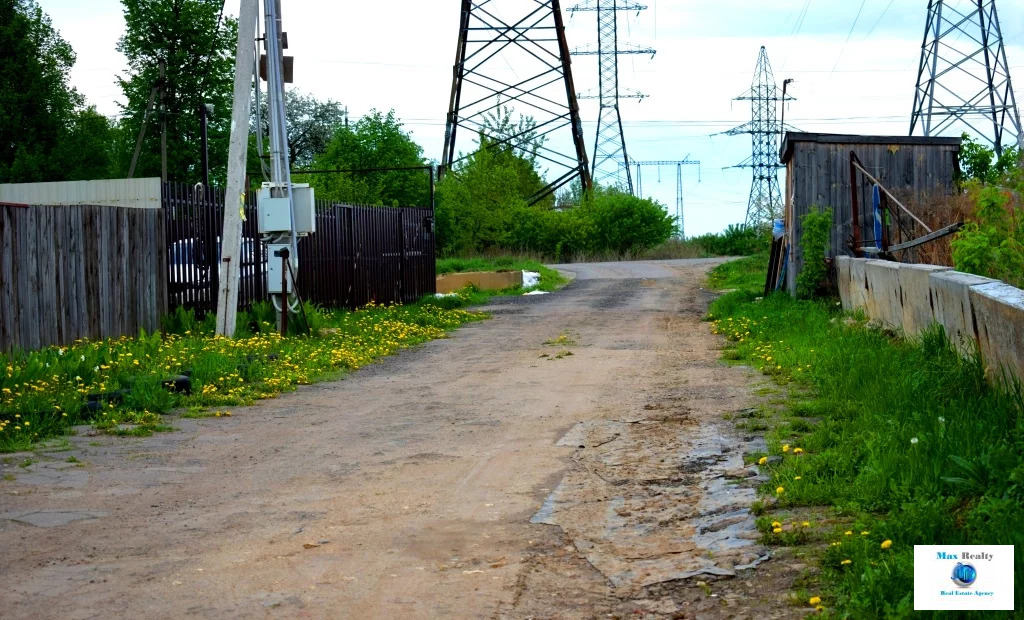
550, 279
905, 440
743, 273
44, 393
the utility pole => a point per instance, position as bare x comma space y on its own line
163, 126
520, 58
234, 200
610, 163
156, 90
765, 203
963, 79
204, 112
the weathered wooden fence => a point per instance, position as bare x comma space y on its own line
70, 272
358, 254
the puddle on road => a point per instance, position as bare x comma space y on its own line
657, 499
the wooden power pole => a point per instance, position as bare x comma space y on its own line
234, 199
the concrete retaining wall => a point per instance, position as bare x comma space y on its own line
977, 313
483, 280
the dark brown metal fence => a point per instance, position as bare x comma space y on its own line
359, 254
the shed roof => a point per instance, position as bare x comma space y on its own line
792, 137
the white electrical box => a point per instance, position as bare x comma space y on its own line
305, 208
275, 266
274, 213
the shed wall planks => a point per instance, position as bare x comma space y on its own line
817, 175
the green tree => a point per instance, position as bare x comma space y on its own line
375, 141
626, 224
36, 103
476, 201
86, 150
482, 201
979, 162
311, 124
197, 42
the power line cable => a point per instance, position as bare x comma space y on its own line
849, 34
879, 20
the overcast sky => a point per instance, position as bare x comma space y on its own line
854, 73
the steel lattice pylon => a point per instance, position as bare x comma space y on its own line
610, 163
961, 50
765, 202
678, 163
514, 53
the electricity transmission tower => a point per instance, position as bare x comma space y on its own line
611, 163
514, 54
964, 77
686, 161
764, 128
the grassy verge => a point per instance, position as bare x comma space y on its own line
121, 385
744, 273
880, 444
550, 279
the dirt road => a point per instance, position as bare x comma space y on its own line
486, 475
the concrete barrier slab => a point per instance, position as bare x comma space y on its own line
915, 290
483, 280
884, 302
843, 281
999, 313
859, 286
951, 304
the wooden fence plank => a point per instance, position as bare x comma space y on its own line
6, 294
46, 288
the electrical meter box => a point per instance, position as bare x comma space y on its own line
275, 266
274, 215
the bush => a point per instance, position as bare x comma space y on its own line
992, 244
490, 216
625, 224
736, 240
815, 244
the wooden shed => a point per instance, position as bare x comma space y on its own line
818, 174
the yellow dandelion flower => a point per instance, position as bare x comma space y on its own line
846, 561
777, 530
776, 524
886, 543
780, 490
762, 460
798, 450
848, 533
815, 600
785, 447
806, 524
